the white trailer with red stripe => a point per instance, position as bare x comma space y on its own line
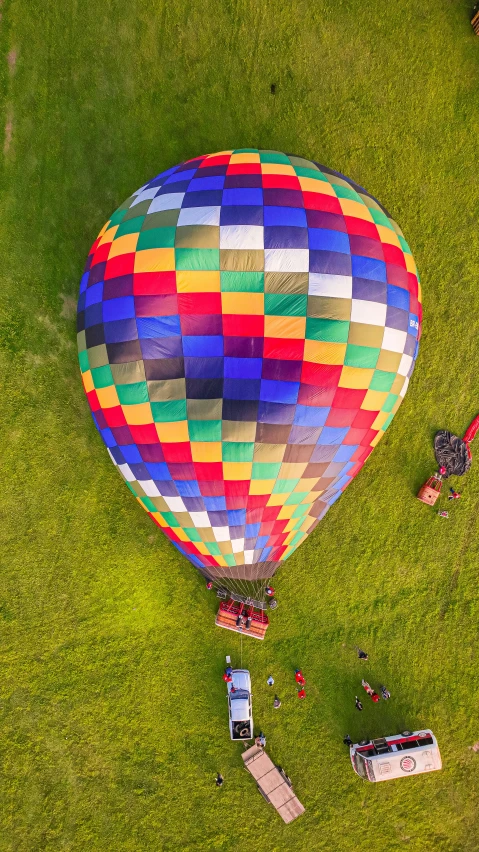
409, 753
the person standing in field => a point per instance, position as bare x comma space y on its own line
299, 677
358, 704
361, 654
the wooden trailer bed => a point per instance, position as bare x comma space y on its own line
273, 784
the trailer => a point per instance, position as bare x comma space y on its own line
273, 783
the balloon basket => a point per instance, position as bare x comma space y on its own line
430, 491
243, 619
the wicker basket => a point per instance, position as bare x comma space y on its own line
430, 491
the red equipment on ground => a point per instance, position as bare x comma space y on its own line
471, 433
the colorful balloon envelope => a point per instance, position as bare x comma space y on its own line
248, 322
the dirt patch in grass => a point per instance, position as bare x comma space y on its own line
12, 61
7, 139
69, 306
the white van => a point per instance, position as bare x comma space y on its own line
409, 753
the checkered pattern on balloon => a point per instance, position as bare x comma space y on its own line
247, 323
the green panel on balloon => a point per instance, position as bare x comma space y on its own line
156, 238
328, 330
361, 356
102, 376
131, 226
133, 394
382, 381
169, 412
119, 216
242, 282
238, 451
285, 305
197, 259
204, 430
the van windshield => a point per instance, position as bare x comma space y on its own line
360, 765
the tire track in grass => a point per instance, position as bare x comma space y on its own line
11, 60
454, 579
7, 138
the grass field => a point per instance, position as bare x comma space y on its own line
112, 708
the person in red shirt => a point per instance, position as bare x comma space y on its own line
299, 677
227, 677
370, 691
301, 693
454, 495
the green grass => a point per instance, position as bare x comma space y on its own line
113, 716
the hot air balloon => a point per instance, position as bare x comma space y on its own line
247, 323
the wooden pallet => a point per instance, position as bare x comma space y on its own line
475, 23
228, 621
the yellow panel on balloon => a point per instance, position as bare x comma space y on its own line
194, 281
108, 397
108, 235
240, 471
320, 352
206, 451
123, 245
155, 260
173, 433
138, 415
358, 378
261, 486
